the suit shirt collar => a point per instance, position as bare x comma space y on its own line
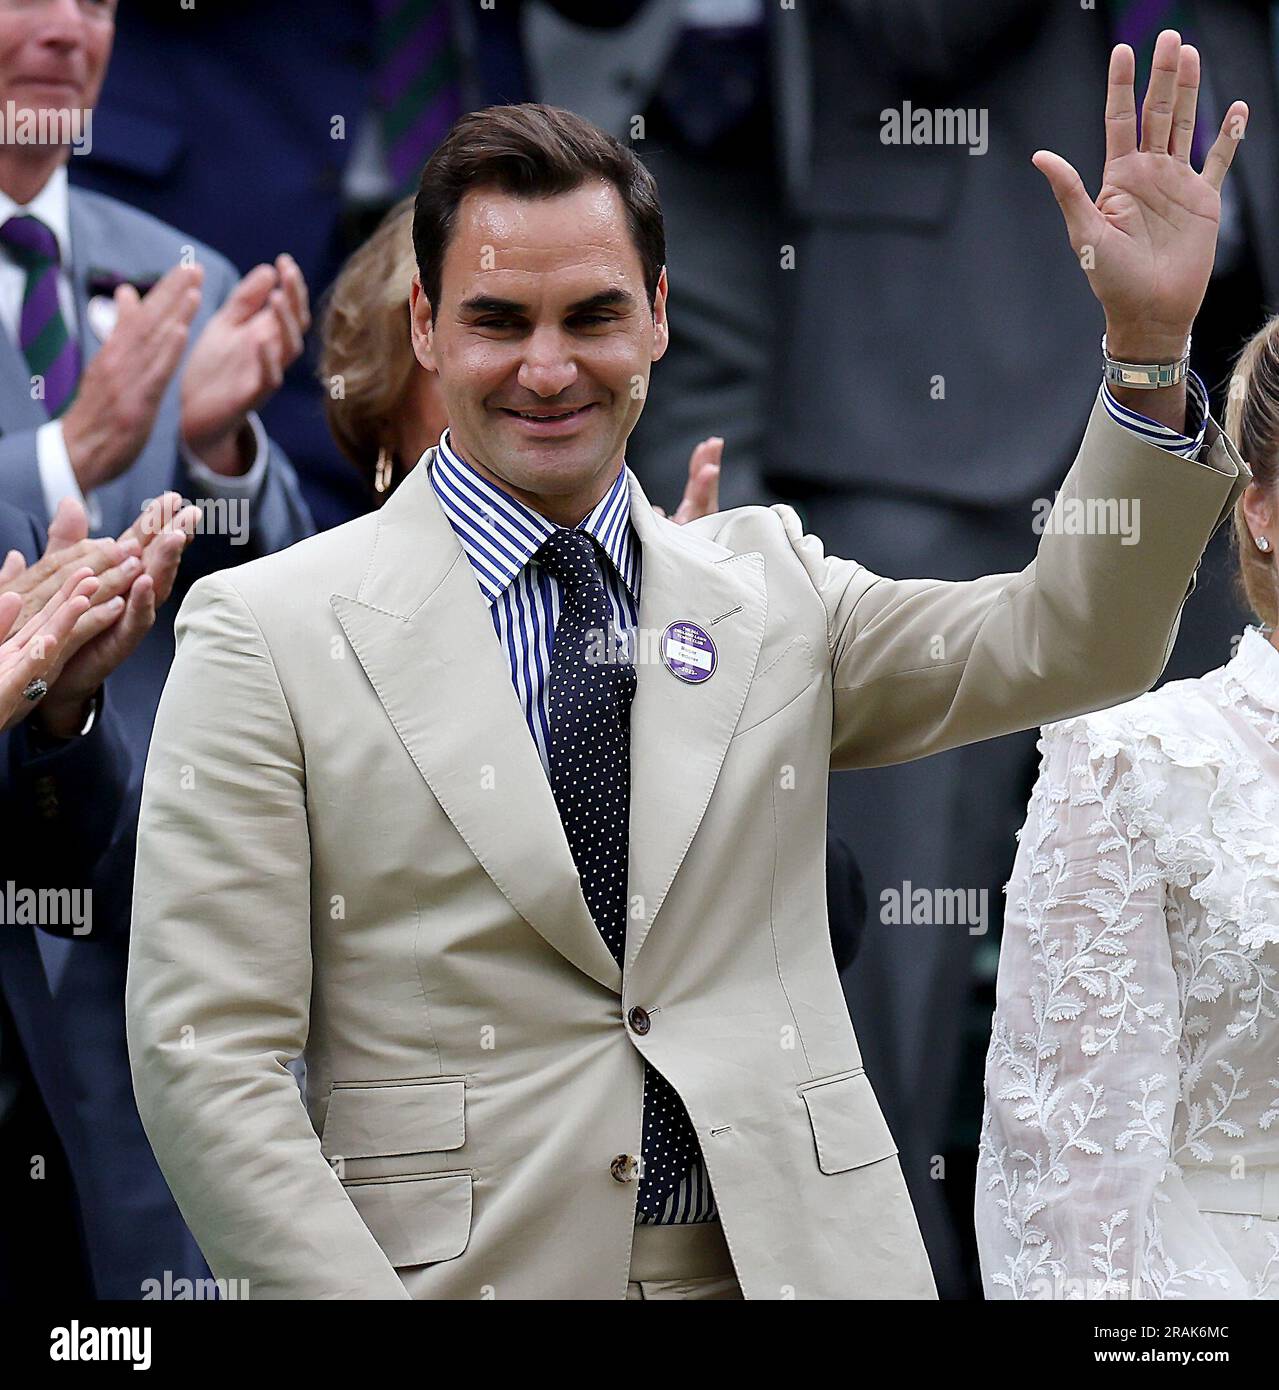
52, 205
500, 535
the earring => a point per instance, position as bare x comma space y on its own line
385, 469
1262, 543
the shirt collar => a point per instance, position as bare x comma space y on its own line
1255, 666
500, 535
51, 205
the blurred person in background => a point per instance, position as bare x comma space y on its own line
1130, 1147
132, 362
133, 359
64, 794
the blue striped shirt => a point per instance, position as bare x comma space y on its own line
500, 537
1187, 445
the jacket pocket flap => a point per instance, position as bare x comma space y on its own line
407, 1117
416, 1221
847, 1124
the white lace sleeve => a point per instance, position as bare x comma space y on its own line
1082, 1071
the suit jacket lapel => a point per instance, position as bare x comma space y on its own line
424, 635
680, 731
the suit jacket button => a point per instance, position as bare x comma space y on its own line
625, 1168
639, 1021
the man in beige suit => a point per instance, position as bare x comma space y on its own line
549, 928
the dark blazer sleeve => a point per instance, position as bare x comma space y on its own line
61, 808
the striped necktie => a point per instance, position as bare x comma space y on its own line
52, 354
417, 89
1138, 23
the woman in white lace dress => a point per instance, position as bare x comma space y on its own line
1130, 1145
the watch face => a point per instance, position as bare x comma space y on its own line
1156, 375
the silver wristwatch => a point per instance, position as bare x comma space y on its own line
1145, 376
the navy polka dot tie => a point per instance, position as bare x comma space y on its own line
590, 764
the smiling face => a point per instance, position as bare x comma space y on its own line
543, 341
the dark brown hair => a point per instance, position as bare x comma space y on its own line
1252, 422
530, 151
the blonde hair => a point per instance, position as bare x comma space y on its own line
1252, 423
365, 345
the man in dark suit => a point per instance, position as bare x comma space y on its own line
64, 800
142, 396
132, 362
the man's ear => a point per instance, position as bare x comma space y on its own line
661, 329
421, 324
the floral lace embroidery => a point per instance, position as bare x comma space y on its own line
1137, 1034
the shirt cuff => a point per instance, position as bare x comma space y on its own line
57, 477
245, 485
39, 742
1185, 445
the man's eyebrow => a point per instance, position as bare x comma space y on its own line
615, 298
491, 304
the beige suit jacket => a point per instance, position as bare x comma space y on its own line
349, 850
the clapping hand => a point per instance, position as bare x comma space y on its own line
240, 359
115, 408
28, 652
122, 612
163, 530
134, 575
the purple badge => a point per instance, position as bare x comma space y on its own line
688, 652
